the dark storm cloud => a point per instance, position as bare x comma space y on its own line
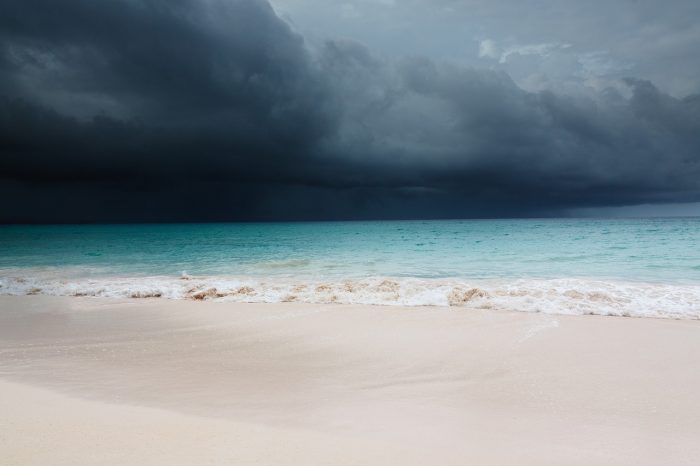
476, 135
215, 110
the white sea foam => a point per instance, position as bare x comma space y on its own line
575, 296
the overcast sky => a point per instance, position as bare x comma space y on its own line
200, 110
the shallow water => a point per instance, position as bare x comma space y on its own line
602, 266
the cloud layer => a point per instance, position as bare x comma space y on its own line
134, 110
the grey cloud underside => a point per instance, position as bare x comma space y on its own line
216, 110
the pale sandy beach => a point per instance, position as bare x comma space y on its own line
123, 382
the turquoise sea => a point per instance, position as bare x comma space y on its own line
639, 267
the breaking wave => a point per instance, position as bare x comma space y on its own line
575, 296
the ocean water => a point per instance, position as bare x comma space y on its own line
630, 267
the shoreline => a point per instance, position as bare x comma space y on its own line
297, 383
555, 296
